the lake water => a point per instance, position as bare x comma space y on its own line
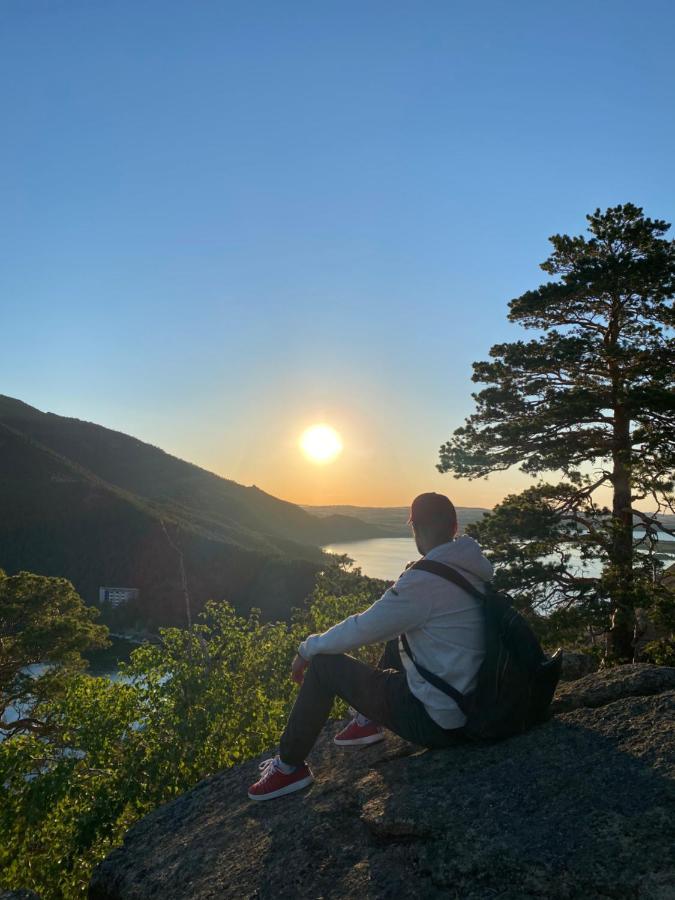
387, 557
379, 557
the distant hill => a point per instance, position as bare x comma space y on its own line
392, 518
666, 519
102, 508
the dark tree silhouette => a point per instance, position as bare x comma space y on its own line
42, 620
591, 397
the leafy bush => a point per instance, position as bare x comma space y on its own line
197, 702
661, 652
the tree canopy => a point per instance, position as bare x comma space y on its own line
592, 397
197, 701
43, 623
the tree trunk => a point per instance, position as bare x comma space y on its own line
620, 638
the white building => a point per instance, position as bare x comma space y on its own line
116, 596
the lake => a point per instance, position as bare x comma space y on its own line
387, 557
379, 557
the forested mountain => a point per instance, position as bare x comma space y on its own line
102, 508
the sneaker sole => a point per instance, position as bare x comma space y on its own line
289, 789
359, 742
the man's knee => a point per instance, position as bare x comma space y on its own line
324, 665
323, 661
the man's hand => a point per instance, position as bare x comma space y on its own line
298, 667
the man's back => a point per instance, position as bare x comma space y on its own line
450, 641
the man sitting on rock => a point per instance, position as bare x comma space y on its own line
444, 628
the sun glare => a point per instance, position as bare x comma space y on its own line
321, 443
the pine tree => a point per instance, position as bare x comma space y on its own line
591, 397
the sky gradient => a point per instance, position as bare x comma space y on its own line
223, 222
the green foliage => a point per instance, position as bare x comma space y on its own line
200, 700
42, 621
68, 797
593, 397
660, 652
607, 321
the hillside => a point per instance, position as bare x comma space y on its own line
102, 508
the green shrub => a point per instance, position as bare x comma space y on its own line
660, 653
197, 702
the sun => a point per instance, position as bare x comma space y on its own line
321, 443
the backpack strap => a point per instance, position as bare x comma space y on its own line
450, 574
434, 680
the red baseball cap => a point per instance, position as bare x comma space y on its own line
433, 508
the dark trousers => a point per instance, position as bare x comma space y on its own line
382, 694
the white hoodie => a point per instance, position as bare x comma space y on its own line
443, 624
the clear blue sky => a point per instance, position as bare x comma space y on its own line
221, 222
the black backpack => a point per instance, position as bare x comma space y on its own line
516, 680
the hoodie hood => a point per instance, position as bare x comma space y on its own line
465, 554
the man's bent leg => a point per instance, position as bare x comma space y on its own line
390, 659
365, 688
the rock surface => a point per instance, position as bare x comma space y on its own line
581, 807
576, 665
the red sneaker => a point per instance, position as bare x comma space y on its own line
355, 735
274, 783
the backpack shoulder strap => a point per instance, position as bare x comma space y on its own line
450, 574
434, 680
